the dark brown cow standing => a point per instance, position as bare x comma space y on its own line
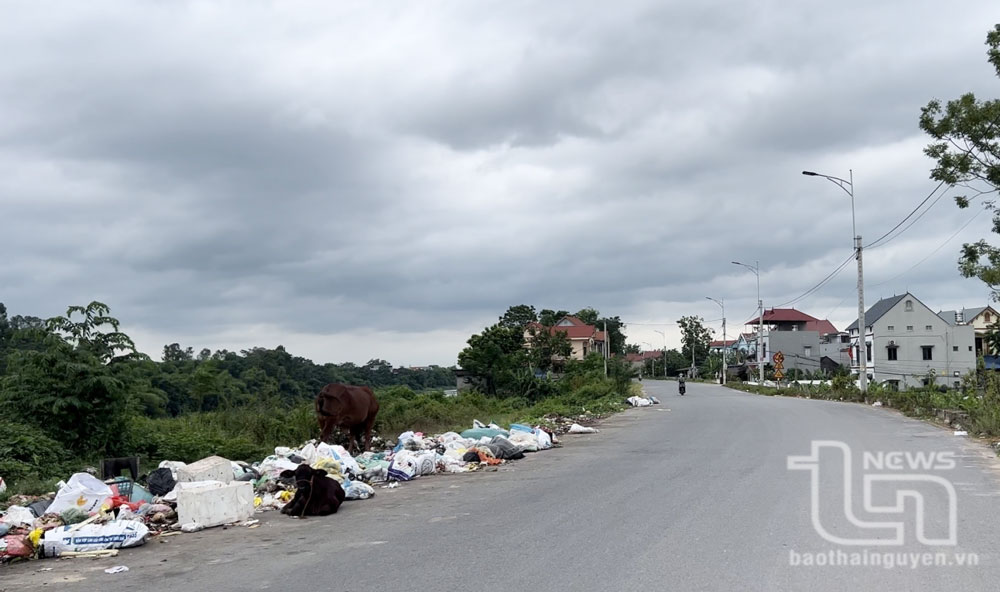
352, 408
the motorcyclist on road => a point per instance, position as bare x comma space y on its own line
680, 384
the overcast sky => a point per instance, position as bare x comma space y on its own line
356, 180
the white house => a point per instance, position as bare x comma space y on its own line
906, 342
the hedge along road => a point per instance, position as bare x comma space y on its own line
692, 494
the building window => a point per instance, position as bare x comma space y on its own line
909, 327
808, 351
927, 351
893, 385
987, 317
958, 384
868, 352
970, 348
891, 328
890, 353
929, 328
909, 306
954, 348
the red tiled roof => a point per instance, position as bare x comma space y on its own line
783, 315
599, 336
573, 320
721, 343
823, 327
575, 331
646, 355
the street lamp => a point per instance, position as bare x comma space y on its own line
848, 187
652, 373
664, 336
760, 323
725, 363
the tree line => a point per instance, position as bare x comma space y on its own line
77, 378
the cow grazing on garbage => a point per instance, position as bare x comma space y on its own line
315, 493
349, 407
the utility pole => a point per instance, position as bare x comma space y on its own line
664, 336
607, 346
862, 329
725, 363
848, 186
760, 321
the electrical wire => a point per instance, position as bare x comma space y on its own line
875, 242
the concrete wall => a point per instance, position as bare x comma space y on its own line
952, 347
801, 349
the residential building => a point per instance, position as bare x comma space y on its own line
729, 346
981, 318
797, 335
585, 339
907, 344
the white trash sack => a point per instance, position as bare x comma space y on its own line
83, 491
18, 515
94, 537
579, 429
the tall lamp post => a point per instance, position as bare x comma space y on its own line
725, 363
760, 322
664, 336
848, 187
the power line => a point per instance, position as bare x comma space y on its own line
931, 254
908, 216
821, 283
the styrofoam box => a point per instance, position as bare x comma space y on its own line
213, 468
214, 504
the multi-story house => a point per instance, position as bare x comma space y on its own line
797, 335
907, 344
584, 338
981, 318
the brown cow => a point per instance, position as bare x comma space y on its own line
350, 407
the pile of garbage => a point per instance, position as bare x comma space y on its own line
91, 517
644, 401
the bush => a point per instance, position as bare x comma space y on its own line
24, 451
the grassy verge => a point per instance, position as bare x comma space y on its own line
983, 413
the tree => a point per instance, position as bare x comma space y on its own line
966, 151
174, 353
588, 315
519, 316
544, 345
550, 317
88, 333
694, 334
632, 348
494, 358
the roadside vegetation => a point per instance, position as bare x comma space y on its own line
74, 390
978, 399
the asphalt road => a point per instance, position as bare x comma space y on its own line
693, 494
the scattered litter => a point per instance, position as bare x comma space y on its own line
116, 569
91, 554
253, 522
579, 429
192, 527
961, 433
877, 404
93, 537
392, 485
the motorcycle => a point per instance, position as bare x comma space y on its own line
682, 388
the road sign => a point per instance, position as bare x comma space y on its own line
779, 375
779, 360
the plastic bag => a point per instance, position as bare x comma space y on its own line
579, 429
526, 441
358, 490
3, 486
544, 440
15, 545
161, 481
403, 468
94, 537
18, 515
82, 491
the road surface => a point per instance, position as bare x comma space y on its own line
693, 494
